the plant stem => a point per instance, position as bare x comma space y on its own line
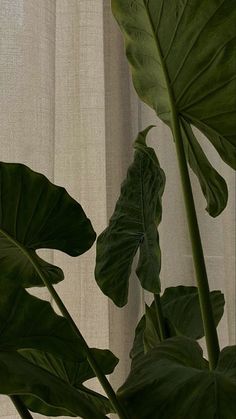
160, 317
20, 407
198, 255
92, 361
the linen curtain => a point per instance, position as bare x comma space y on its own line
68, 110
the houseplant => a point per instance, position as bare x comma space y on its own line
188, 82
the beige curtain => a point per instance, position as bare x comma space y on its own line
68, 110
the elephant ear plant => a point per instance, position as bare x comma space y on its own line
182, 58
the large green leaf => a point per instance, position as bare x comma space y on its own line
133, 226
21, 377
181, 310
36, 214
173, 381
182, 56
30, 326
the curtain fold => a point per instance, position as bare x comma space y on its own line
68, 110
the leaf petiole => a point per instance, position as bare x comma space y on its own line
20, 407
91, 360
160, 317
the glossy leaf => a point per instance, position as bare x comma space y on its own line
133, 226
173, 381
19, 376
36, 214
182, 314
182, 57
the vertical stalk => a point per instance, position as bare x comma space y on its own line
20, 407
160, 317
198, 255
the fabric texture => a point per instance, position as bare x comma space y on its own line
68, 110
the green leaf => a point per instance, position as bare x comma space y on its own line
73, 373
21, 377
36, 214
212, 184
132, 227
138, 345
26, 322
182, 57
151, 334
173, 381
30, 326
182, 314
182, 309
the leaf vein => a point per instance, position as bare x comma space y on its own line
194, 42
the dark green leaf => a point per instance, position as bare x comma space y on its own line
45, 339
151, 334
138, 345
36, 214
26, 322
182, 313
213, 185
173, 381
75, 374
132, 227
182, 309
183, 59
21, 377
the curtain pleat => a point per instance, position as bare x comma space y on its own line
69, 110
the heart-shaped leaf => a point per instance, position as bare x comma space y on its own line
181, 310
175, 71
36, 214
21, 377
132, 227
173, 381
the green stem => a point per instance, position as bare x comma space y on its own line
20, 407
160, 317
92, 361
198, 255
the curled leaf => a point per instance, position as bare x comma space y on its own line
133, 226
